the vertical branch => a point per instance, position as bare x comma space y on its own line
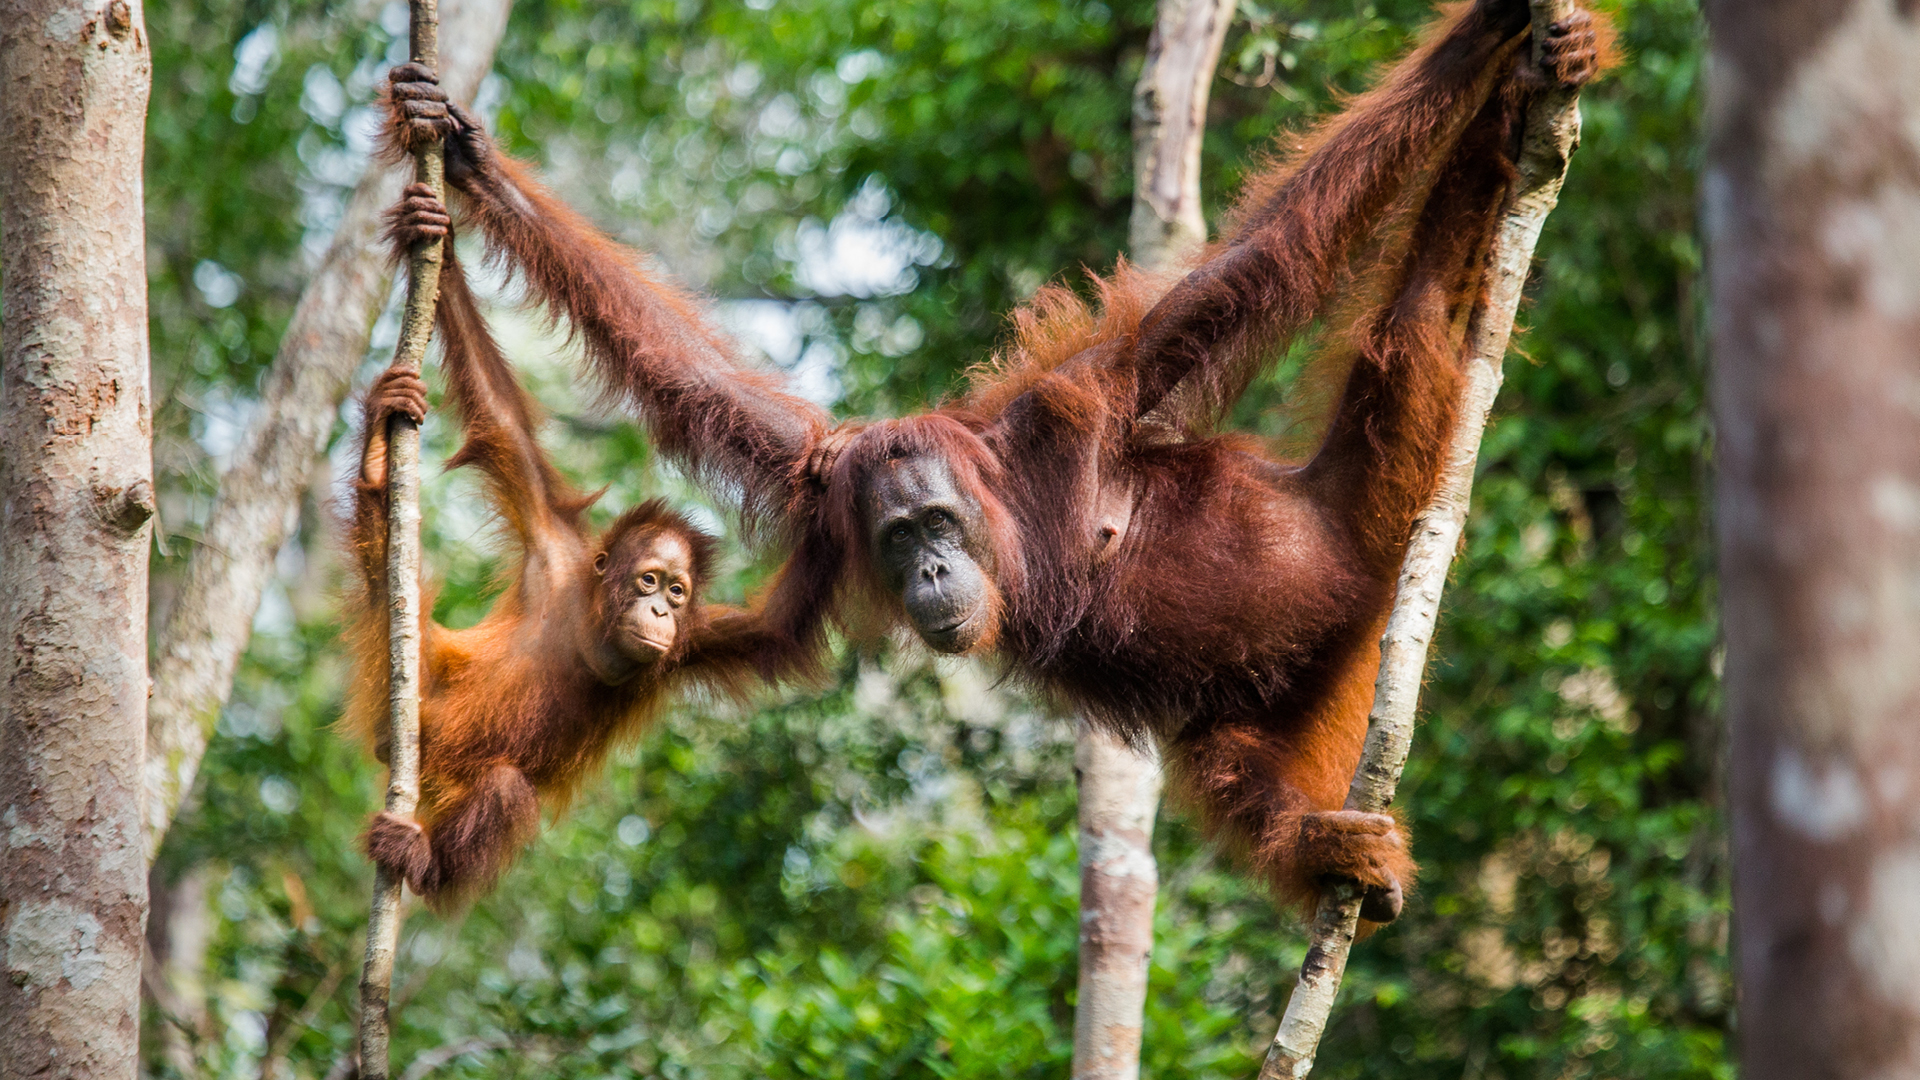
207, 627
1120, 786
1119, 795
1169, 121
1552, 131
403, 593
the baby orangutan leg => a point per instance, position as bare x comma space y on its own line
478, 837
1362, 847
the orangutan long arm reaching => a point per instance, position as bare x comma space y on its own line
729, 425
1300, 226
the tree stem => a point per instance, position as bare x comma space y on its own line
1119, 785
207, 625
403, 593
1552, 131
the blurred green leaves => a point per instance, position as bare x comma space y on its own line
881, 882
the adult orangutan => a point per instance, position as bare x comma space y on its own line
582, 648
1073, 514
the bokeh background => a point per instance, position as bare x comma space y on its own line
881, 881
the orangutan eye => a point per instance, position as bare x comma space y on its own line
900, 534
649, 581
938, 519
677, 591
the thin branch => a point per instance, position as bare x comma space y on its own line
309, 1012
207, 627
1552, 131
403, 592
441, 1055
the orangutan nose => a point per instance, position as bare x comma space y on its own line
935, 572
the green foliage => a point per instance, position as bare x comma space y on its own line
881, 881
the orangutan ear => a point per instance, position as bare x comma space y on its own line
600, 563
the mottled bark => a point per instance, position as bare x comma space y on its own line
1120, 786
76, 495
1812, 200
1119, 794
208, 625
1169, 123
1552, 132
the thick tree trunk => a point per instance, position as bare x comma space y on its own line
209, 623
1120, 787
1812, 200
76, 494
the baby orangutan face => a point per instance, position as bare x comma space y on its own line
646, 589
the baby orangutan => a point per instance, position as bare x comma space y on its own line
589, 637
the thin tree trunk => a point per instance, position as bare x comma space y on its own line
179, 929
403, 595
1812, 204
1119, 794
1169, 122
1552, 132
208, 625
76, 494
1119, 786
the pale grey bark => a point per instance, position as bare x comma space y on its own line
1552, 132
208, 625
1119, 794
1120, 786
1169, 122
403, 593
76, 496
1812, 206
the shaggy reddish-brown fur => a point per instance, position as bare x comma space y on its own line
1168, 581
511, 714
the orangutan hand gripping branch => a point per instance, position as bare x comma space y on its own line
589, 637
1073, 513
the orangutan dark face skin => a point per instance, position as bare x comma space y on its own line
929, 544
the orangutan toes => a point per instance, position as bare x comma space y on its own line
1570, 50
1363, 847
399, 846
1382, 903
398, 392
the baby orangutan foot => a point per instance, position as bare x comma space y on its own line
1362, 847
399, 846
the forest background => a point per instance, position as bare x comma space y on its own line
881, 881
